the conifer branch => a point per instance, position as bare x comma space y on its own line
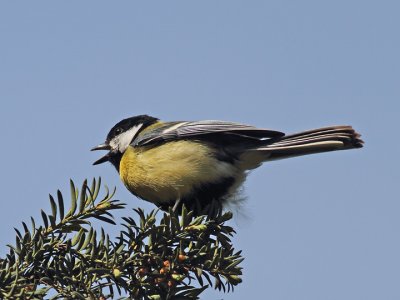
174, 257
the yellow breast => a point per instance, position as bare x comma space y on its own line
170, 171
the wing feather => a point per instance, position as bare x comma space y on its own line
187, 130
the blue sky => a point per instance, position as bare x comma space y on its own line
319, 227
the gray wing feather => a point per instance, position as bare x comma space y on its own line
182, 130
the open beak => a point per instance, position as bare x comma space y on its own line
106, 157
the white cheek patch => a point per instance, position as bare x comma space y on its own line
123, 140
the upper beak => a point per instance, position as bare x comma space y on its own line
103, 146
106, 157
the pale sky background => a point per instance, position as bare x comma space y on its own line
319, 227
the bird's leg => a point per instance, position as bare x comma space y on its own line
177, 202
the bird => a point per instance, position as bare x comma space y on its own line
203, 164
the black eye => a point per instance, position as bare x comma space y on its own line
118, 130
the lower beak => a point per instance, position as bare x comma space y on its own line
102, 160
106, 157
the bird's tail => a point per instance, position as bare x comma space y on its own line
303, 143
313, 141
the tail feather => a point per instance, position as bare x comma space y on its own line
312, 141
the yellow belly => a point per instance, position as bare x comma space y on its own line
170, 171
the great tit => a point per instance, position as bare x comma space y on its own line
202, 164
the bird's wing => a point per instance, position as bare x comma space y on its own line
187, 130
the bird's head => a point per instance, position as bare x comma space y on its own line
121, 136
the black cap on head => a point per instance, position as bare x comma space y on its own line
128, 123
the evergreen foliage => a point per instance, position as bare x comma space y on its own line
159, 255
